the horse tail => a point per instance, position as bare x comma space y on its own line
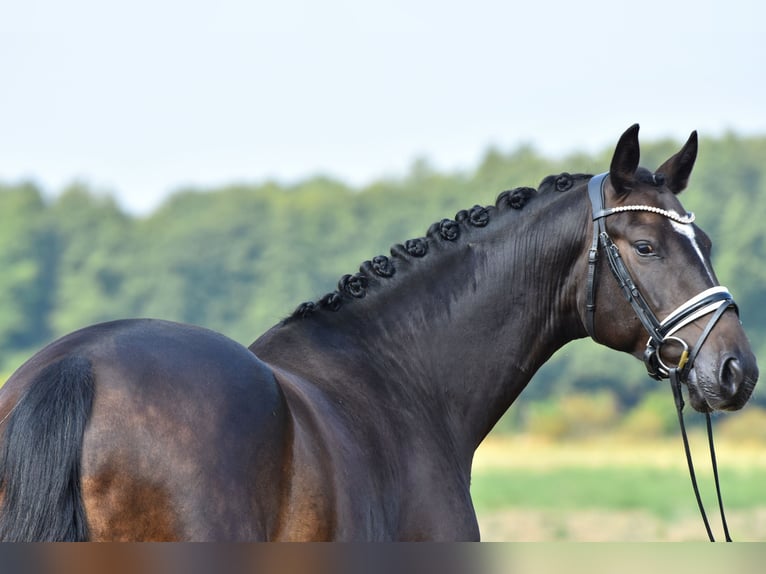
40, 488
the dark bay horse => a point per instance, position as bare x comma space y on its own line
357, 417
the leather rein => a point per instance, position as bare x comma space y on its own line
715, 301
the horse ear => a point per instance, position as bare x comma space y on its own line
625, 160
679, 167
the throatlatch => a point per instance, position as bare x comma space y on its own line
716, 300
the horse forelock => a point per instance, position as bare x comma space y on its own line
648, 177
382, 267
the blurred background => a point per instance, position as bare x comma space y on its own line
217, 163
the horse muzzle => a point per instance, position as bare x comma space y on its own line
719, 374
725, 384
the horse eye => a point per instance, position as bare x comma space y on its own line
644, 249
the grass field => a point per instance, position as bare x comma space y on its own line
528, 489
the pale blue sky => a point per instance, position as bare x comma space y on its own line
139, 98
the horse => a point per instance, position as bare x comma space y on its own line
357, 416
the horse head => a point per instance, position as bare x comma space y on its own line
666, 306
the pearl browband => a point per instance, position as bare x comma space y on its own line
688, 218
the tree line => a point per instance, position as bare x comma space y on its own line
239, 258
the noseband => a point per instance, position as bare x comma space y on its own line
715, 301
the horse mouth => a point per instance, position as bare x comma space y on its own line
707, 395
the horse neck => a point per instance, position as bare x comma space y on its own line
458, 334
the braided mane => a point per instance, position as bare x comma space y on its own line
351, 287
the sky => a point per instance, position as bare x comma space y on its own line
139, 99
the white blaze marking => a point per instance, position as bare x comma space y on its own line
687, 230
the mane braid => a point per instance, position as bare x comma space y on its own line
355, 286
562, 182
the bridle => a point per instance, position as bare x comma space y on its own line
715, 301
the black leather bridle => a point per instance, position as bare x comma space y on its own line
716, 301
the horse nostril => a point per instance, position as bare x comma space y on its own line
731, 377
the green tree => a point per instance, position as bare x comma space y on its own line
26, 268
92, 243
239, 258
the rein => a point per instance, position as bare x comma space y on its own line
715, 300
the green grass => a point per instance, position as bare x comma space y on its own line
663, 492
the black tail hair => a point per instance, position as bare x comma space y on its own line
40, 456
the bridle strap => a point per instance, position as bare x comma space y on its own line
714, 464
696, 307
723, 306
595, 191
715, 300
630, 290
675, 384
616, 264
